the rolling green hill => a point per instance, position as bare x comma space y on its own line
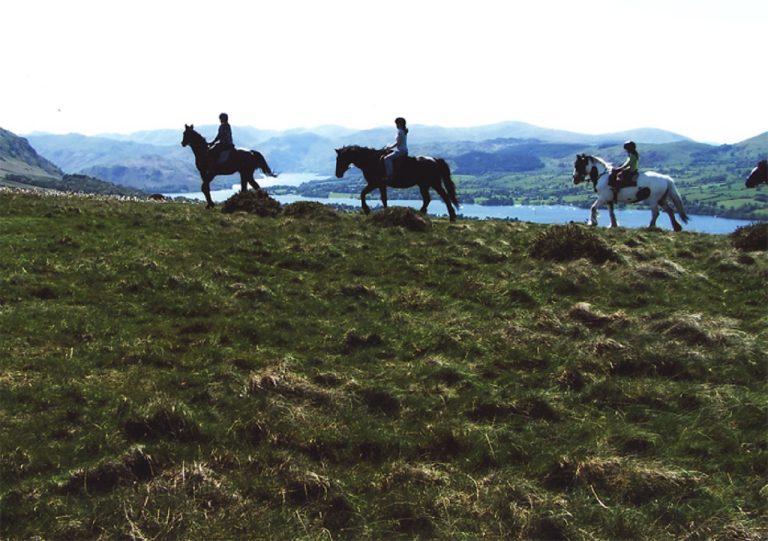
168, 372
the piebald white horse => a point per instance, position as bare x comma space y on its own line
654, 188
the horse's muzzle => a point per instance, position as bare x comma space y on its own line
578, 179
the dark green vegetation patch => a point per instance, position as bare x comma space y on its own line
752, 237
168, 372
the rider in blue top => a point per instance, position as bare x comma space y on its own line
397, 149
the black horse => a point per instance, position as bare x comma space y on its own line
240, 161
423, 171
759, 175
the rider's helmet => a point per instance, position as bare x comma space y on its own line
630, 145
224, 116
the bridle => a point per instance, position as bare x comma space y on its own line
594, 176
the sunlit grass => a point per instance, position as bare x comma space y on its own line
170, 372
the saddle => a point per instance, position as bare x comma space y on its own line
220, 154
623, 179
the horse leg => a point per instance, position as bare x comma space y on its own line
446, 199
250, 180
593, 215
206, 189
243, 183
425, 198
383, 193
654, 214
612, 214
368, 189
671, 213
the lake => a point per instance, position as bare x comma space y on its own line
543, 214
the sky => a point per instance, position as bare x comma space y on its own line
694, 67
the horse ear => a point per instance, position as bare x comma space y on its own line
191, 126
338, 151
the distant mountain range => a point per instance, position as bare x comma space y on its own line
22, 166
155, 161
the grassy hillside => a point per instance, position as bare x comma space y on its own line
174, 373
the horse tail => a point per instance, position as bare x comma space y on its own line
445, 174
678, 202
261, 163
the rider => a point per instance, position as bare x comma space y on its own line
625, 174
396, 149
222, 143
628, 171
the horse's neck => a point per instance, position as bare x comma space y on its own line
365, 162
200, 147
601, 164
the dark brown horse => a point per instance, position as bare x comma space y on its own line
240, 161
423, 171
759, 175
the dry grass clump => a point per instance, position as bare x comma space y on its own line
662, 269
571, 242
161, 420
310, 210
414, 474
134, 466
633, 481
254, 202
401, 217
281, 381
751, 238
697, 329
587, 314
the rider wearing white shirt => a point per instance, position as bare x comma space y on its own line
397, 149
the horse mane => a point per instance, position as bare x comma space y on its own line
197, 135
357, 148
606, 163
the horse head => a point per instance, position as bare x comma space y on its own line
580, 171
343, 161
191, 137
758, 175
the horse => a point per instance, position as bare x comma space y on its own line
240, 160
759, 175
424, 171
654, 188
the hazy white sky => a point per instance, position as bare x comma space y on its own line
696, 67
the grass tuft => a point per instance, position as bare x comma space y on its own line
571, 242
256, 202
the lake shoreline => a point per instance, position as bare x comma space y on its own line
544, 214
